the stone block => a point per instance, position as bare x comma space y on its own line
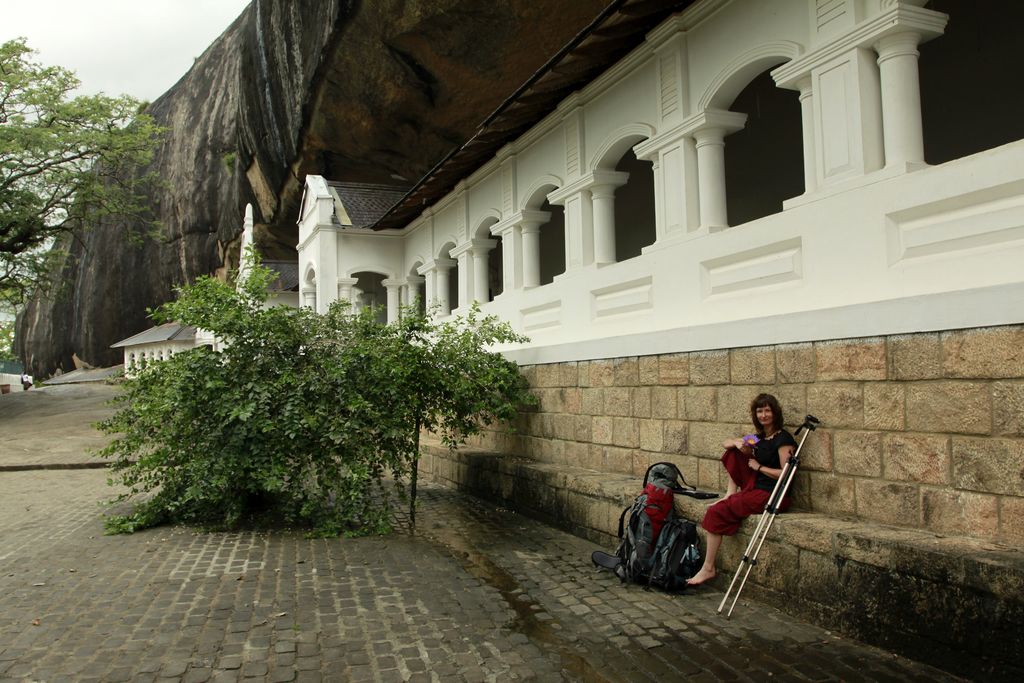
593, 459
858, 453
838, 405
701, 403
584, 423
960, 512
819, 574
583, 373
850, 359
640, 401
915, 356
817, 451
602, 373
831, 494
989, 465
676, 436
793, 400
753, 365
674, 369
795, 363
619, 460
564, 427
889, 502
570, 374
572, 400
601, 429
709, 367
949, 407
984, 353
918, 458
575, 452
549, 375
706, 438
1011, 520
647, 368
734, 404
1008, 408
777, 564
652, 435
884, 406
626, 372
664, 402
710, 474
625, 432
592, 401
529, 372
616, 401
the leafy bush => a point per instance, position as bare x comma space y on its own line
300, 416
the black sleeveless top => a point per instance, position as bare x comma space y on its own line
766, 452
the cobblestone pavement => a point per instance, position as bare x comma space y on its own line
476, 593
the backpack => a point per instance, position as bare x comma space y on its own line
656, 546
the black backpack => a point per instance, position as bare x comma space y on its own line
656, 546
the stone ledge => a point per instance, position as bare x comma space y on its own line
945, 599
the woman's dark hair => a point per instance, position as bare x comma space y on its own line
761, 401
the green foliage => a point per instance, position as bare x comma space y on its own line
300, 417
65, 162
7, 340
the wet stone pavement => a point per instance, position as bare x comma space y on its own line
476, 594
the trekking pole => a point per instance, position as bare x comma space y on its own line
771, 511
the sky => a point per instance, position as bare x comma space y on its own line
133, 47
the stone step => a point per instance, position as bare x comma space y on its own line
916, 592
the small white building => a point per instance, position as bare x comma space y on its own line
157, 344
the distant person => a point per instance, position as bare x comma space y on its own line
26, 381
754, 464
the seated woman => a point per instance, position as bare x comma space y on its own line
754, 465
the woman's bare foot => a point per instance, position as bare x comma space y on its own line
705, 574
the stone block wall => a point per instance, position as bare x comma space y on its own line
921, 430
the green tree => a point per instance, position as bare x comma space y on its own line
65, 162
299, 416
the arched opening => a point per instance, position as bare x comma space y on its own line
764, 160
634, 207
552, 243
493, 263
447, 281
309, 289
495, 270
969, 100
415, 296
369, 292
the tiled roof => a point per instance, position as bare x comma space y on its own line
160, 333
287, 275
365, 203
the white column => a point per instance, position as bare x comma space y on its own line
511, 257
603, 198
711, 171
442, 270
480, 289
346, 289
414, 289
530, 232
473, 261
807, 126
394, 288
901, 98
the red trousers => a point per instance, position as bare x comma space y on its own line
725, 516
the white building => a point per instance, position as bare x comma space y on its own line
752, 173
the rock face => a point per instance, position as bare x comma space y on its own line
366, 91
